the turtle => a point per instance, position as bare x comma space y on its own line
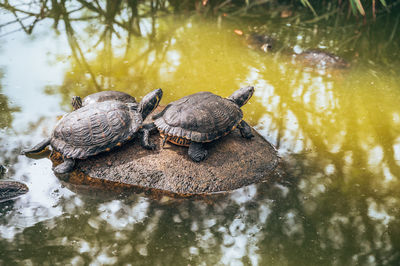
102, 96
258, 41
262, 42
99, 127
313, 58
203, 117
10, 189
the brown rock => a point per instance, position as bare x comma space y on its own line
233, 162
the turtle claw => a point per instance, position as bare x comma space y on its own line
150, 146
247, 135
197, 152
66, 167
199, 156
245, 130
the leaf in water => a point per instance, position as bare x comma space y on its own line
238, 32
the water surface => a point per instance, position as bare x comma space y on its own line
337, 131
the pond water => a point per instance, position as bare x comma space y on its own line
338, 132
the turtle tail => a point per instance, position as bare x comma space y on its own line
160, 114
38, 147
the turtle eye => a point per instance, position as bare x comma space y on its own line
266, 47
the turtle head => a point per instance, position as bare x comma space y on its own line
150, 102
242, 95
76, 102
260, 41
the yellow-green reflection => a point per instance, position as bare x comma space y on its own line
194, 56
5, 109
348, 116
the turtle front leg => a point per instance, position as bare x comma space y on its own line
197, 152
144, 134
151, 127
245, 130
38, 147
66, 167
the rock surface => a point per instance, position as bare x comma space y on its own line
233, 162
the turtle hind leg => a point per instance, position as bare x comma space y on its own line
144, 134
65, 167
245, 130
197, 152
38, 147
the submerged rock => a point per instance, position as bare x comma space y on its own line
233, 162
321, 59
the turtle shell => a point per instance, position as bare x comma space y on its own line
108, 96
200, 117
95, 128
321, 59
10, 189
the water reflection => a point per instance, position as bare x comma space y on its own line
336, 204
6, 111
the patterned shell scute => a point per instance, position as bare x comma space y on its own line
200, 117
108, 96
94, 128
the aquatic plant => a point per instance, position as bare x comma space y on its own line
355, 7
